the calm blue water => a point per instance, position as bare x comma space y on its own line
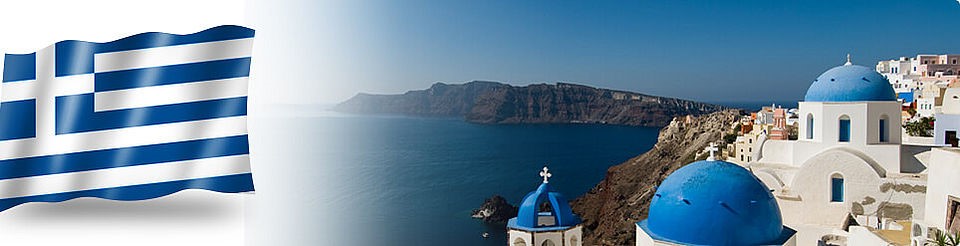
414, 181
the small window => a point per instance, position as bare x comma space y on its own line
883, 129
836, 188
844, 129
809, 126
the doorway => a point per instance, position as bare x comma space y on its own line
951, 138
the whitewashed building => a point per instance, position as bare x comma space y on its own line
848, 179
920, 81
533, 227
948, 120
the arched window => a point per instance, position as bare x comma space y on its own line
574, 241
545, 216
883, 129
809, 126
836, 187
519, 242
548, 242
844, 129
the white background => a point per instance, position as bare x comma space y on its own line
192, 217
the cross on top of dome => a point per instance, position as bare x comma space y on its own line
545, 174
712, 148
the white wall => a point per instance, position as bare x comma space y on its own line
943, 180
863, 186
951, 101
642, 238
813, 185
777, 151
862, 236
944, 123
864, 131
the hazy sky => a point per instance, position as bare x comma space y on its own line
702, 50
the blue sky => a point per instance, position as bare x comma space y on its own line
701, 50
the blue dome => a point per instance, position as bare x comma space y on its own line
527, 216
850, 83
714, 203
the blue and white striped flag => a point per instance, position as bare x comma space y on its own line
137, 118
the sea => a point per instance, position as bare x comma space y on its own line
397, 180
327, 178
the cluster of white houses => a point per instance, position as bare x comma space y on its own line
848, 178
929, 86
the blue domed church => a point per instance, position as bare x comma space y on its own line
535, 226
833, 184
713, 202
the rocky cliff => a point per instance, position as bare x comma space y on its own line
494, 103
611, 208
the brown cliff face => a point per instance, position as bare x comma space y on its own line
496, 103
611, 209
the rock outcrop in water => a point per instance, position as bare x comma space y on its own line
622, 198
495, 209
496, 103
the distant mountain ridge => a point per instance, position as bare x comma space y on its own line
498, 103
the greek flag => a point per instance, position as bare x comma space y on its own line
137, 118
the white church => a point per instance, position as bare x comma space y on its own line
535, 226
848, 179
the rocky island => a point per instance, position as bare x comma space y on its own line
495, 209
498, 103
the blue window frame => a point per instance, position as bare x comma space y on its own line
844, 130
836, 188
883, 130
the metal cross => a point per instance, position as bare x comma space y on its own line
712, 148
545, 174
